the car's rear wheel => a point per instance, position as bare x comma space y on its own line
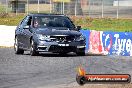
81, 52
33, 51
16, 47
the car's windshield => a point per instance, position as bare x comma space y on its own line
52, 21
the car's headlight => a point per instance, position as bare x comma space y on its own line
80, 38
43, 37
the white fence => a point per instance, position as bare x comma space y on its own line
91, 8
122, 3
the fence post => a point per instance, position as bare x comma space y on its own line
6, 6
50, 6
16, 7
38, 6
118, 9
27, 6
89, 5
102, 8
76, 8
63, 7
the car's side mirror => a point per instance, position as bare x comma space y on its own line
78, 28
26, 27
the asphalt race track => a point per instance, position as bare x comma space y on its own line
50, 70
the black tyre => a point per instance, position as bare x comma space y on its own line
33, 51
16, 47
63, 53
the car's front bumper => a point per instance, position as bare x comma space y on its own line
44, 46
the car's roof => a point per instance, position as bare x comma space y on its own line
45, 14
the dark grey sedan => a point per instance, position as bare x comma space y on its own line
48, 33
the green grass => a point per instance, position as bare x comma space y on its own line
2, 8
11, 21
105, 24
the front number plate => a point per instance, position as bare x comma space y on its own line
63, 44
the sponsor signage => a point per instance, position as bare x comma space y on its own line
108, 43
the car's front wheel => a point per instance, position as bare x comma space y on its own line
33, 51
16, 47
63, 53
81, 52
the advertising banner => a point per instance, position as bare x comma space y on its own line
109, 43
118, 43
95, 41
86, 33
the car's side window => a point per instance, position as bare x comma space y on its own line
22, 23
29, 21
26, 21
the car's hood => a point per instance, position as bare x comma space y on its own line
57, 31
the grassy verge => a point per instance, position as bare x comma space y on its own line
105, 24
10, 20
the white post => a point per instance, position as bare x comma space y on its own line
63, 7
118, 10
50, 6
89, 5
38, 6
16, 6
102, 8
76, 8
27, 6
53, 7
6, 6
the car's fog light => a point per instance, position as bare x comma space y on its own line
42, 46
80, 46
41, 42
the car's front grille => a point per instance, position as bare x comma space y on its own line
42, 48
62, 38
55, 48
